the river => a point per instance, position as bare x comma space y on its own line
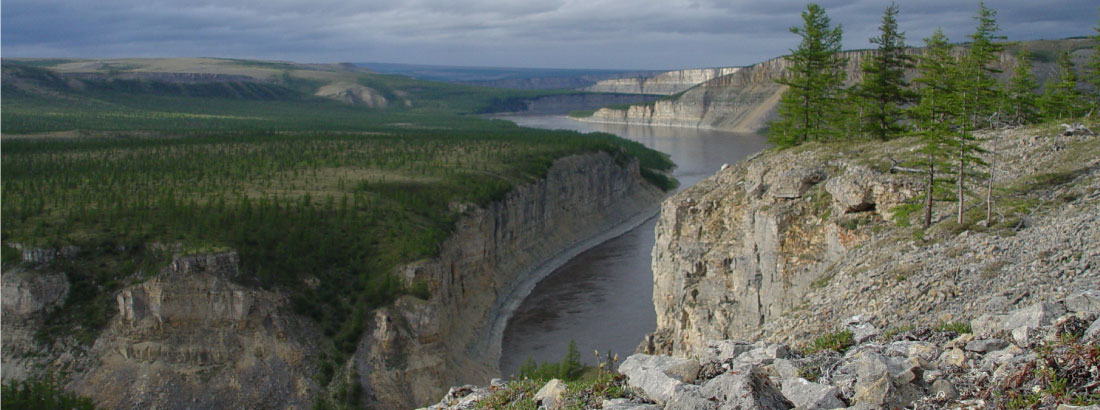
603, 298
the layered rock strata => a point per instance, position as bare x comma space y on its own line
667, 83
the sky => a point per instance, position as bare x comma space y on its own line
612, 34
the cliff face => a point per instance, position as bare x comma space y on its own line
190, 337
740, 100
667, 83
416, 349
784, 246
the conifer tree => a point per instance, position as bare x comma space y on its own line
1021, 91
1062, 99
807, 108
1093, 72
935, 115
884, 85
979, 91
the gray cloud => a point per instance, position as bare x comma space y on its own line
548, 33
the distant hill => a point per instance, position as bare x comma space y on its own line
507, 77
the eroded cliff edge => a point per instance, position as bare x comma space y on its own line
785, 246
190, 337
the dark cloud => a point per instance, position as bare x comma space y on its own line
550, 33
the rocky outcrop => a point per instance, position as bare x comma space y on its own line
415, 349
921, 368
191, 338
739, 100
561, 104
352, 93
667, 83
784, 245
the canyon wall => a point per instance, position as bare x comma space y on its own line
191, 337
667, 83
742, 100
416, 349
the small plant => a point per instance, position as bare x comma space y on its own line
958, 327
837, 341
809, 372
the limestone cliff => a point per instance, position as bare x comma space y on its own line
416, 349
786, 245
739, 99
191, 337
667, 83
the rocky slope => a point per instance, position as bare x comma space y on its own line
667, 83
189, 337
996, 365
783, 246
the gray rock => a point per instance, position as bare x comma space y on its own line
778, 351
1084, 302
986, 345
852, 191
785, 369
624, 404
658, 377
1093, 330
1034, 316
1068, 407
792, 183
943, 389
722, 350
550, 395
745, 387
1039, 314
811, 396
1022, 336
690, 398
885, 382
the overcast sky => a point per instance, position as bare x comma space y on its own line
634, 34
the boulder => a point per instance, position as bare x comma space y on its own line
943, 389
811, 396
550, 395
852, 191
659, 377
986, 345
1034, 316
1094, 330
885, 382
1085, 302
745, 387
792, 183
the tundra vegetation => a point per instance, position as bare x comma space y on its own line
321, 199
952, 96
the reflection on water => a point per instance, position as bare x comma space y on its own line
603, 298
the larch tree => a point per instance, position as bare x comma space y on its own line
807, 109
979, 96
1020, 94
1062, 99
935, 114
884, 86
1093, 71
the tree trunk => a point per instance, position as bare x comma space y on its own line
959, 189
989, 184
928, 196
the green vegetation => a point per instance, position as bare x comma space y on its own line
569, 369
957, 327
321, 200
807, 110
884, 90
41, 394
835, 341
